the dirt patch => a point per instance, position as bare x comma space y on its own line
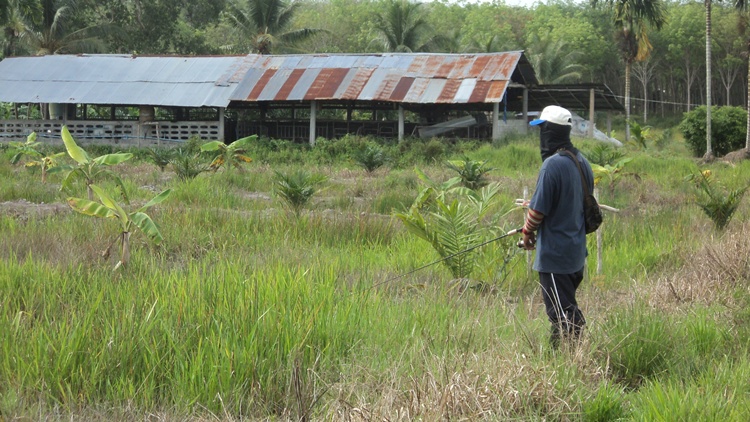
23, 209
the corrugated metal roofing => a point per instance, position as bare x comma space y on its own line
418, 78
119, 79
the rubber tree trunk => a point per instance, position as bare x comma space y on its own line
709, 147
628, 65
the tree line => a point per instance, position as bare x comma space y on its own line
660, 47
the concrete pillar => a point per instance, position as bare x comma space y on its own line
495, 121
313, 118
221, 124
400, 122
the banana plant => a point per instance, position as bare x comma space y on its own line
29, 148
109, 208
232, 155
91, 169
612, 174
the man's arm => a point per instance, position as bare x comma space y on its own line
533, 219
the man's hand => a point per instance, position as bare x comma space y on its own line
529, 241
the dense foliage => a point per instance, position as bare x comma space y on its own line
566, 42
728, 129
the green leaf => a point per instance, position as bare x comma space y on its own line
68, 180
212, 146
94, 209
144, 222
76, 153
157, 199
31, 138
112, 159
243, 142
16, 158
110, 203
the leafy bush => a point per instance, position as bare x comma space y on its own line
728, 127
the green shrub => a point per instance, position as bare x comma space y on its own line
728, 127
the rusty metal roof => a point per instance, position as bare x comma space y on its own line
418, 78
118, 79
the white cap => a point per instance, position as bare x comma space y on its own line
553, 114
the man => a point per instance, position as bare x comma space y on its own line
556, 212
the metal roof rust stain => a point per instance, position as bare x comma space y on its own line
415, 78
480, 92
325, 85
286, 88
358, 83
449, 91
255, 93
401, 89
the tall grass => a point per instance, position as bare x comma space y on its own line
244, 314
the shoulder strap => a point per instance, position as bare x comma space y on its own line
580, 170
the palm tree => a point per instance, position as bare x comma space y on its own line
632, 19
15, 16
553, 61
403, 27
267, 24
52, 34
743, 8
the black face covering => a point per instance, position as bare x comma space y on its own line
553, 137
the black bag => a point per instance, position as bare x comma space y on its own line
592, 214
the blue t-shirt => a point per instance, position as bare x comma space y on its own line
561, 240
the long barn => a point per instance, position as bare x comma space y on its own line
150, 99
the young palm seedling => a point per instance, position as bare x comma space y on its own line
471, 172
29, 148
228, 156
453, 227
297, 188
716, 201
370, 158
109, 208
90, 169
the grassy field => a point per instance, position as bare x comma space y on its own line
247, 311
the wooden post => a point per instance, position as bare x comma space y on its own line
592, 101
525, 106
598, 241
528, 253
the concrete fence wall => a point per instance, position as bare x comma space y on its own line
128, 132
